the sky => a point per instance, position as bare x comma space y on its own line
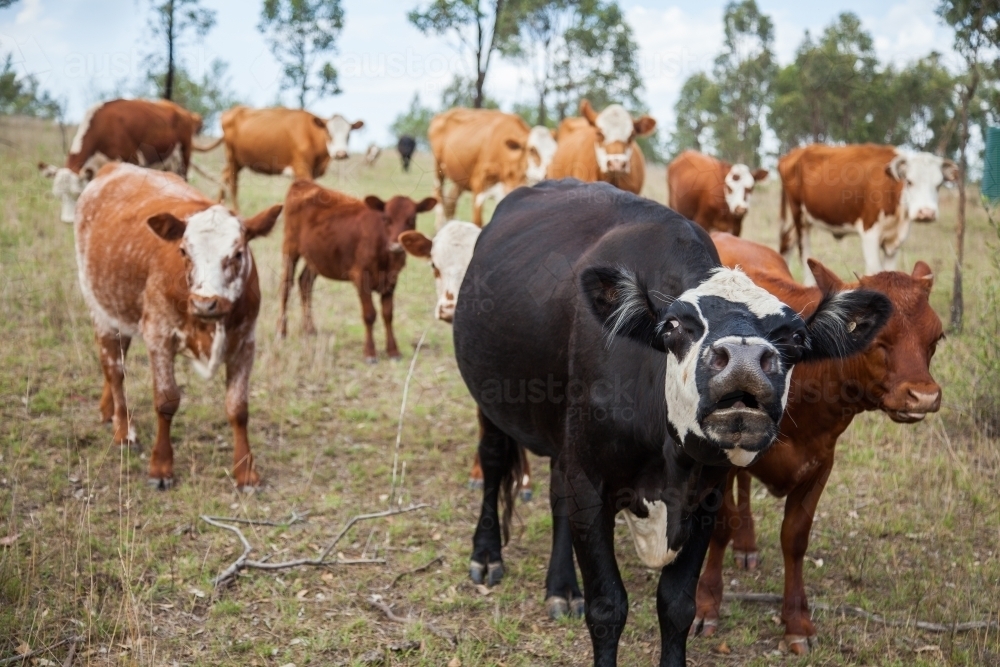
83, 50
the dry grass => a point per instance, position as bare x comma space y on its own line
909, 526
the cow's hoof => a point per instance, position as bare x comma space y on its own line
527, 495
371, 361
577, 607
800, 645
494, 573
395, 357
557, 607
161, 483
476, 572
475, 484
704, 627
746, 560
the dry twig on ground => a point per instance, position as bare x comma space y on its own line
416, 570
244, 562
376, 601
849, 610
31, 654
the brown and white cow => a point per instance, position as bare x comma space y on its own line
867, 189
892, 375
289, 142
157, 259
343, 238
712, 192
155, 134
602, 147
480, 150
449, 254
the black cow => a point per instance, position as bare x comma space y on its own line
406, 146
599, 328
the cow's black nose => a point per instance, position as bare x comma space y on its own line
739, 365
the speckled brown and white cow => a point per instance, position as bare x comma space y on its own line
158, 259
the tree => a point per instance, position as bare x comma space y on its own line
4, 4
208, 95
697, 110
476, 24
977, 38
171, 20
301, 33
23, 95
414, 122
926, 89
744, 72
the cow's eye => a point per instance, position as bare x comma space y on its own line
183, 252
238, 256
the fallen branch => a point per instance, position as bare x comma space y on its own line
402, 411
31, 654
416, 570
294, 518
376, 602
71, 655
849, 610
243, 562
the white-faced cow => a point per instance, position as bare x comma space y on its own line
602, 147
157, 259
599, 328
290, 142
480, 150
870, 190
155, 134
713, 193
541, 149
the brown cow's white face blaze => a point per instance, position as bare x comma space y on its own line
218, 261
340, 132
921, 175
615, 131
541, 149
738, 186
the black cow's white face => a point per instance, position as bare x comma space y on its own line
730, 347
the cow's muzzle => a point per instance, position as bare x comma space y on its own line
740, 420
340, 155
209, 307
925, 214
916, 405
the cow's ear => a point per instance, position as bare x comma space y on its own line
644, 126
416, 244
555, 133
374, 203
513, 144
897, 167
588, 112
426, 204
319, 122
357, 125
845, 323
949, 170
759, 175
167, 226
827, 281
923, 274
262, 223
619, 301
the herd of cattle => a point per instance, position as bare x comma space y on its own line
592, 326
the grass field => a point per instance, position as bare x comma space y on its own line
909, 526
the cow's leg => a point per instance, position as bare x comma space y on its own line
593, 541
440, 217
709, 592
871, 248
231, 179
800, 507
675, 596
562, 590
478, 201
238, 367
744, 536
498, 454
367, 314
805, 252
476, 474
306, 280
791, 230
289, 262
390, 340
167, 399
526, 492
107, 393
113, 349
451, 201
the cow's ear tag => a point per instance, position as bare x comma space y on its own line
852, 326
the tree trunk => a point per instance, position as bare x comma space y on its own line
957, 300
168, 86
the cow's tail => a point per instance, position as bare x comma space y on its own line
208, 147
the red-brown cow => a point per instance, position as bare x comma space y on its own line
155, 134
713, 193
891, 375
870, 190
343, 238
157, 259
